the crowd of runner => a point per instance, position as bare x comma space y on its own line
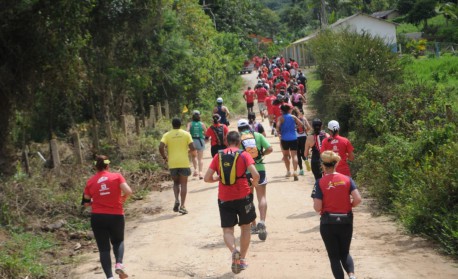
238, 167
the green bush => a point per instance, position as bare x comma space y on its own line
400, 115
22, 255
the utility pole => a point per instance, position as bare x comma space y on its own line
323, 17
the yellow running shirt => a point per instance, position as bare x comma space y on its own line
177, 141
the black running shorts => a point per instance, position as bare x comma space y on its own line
239, 212
289, 144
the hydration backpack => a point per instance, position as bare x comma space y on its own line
249, 145
219, 132
228, 166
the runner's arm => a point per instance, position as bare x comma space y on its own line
126, 190
317, 205
162, 151
356, 198
308, 145
254, 175
267, 151
209, 178
227, 113
192, 149
351, 156
307, 125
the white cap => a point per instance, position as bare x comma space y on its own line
219, 100
243, 123
333, 125
196, 112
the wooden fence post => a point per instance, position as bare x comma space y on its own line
159, 110
166, 108
78, 153
152, 116
137, 126
448, 112
55, 154
95, 136
124, 125
25, 157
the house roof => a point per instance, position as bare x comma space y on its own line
340, 22
382, 14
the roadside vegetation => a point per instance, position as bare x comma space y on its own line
401, 115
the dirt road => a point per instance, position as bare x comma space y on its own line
171, 245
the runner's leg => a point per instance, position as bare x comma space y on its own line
229, 238
117, 237
294, 159
200, 155
245, 237
184, 189
262, 201
286, 155
176, 187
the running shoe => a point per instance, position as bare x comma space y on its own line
119, 269
295, 176
254, 230
262, 232
176, 206
183, 210
352, 277
301, 172
288, 174
243, 264
236, 268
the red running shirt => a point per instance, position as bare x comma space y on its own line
261, 92
105, 191
334, 190
249, 94
341, 146
241, 188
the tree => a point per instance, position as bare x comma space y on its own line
422, 11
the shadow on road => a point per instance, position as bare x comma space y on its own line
314, 229
302, 216
204, 189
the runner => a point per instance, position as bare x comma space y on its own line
249, 95
301, 134
286, 128
178, 143
298, 100
261, 95
331, 198
235, 201
263, 148
197, 128
270, 115
255, 126
106, 193
222, 111
339, 145
314, 143
217, 132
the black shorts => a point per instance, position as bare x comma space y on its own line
180, 172
289, 144
262, 178
249, 105
239, 212
215, 148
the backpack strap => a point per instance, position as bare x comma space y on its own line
215, 130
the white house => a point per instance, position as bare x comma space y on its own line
298, 50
